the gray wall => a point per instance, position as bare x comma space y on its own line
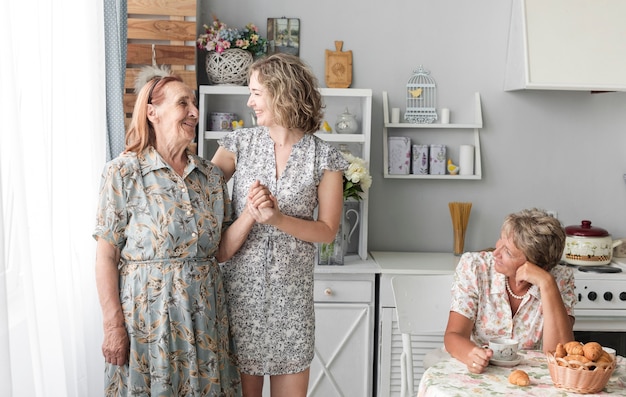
558, 150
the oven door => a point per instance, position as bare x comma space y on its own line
603, 326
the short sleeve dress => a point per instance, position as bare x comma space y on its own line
168, 229
479, 293
269, 282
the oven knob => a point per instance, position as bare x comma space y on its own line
622, 296
608, 296
592, 296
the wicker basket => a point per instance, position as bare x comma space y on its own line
229, 67
577, 377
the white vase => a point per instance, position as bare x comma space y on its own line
229, 67
334, 253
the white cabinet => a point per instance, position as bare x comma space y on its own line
435, 133
567, 45
344, 333
232, 99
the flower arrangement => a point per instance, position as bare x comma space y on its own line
219, 37
356, 179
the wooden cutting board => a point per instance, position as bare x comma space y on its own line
338, 67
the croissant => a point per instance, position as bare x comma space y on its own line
592, 350
574, 348
604, 359
560, 351
519, 378
575, 357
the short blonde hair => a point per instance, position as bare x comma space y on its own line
539, 236
293, 91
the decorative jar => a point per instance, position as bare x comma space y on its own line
346, 123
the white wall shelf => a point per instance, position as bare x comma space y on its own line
413, 129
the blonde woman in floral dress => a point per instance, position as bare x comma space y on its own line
517, 291
269, 282
161, 213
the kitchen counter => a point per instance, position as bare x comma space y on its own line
353, 265
391, 262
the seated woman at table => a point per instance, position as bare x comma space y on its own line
515, 291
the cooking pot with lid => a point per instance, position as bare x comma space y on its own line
587, 245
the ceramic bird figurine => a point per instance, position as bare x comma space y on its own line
452, 169
237, 124
416, 92
326, 127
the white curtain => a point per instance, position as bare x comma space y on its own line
52, 149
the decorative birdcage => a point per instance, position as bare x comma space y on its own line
421, 96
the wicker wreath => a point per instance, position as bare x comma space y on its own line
229, 67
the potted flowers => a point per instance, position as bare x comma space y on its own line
230, 51
356, 179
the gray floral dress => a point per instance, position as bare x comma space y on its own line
168, 229
269, 282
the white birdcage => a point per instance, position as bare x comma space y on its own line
421, 96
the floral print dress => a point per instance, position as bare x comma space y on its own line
269, 282
168, 229
479, 293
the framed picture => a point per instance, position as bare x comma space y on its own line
283, 35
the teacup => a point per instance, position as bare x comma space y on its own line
503, 349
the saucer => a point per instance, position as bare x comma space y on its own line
506, 363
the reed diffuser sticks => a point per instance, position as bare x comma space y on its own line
460, 214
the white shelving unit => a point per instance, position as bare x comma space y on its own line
412, 129
233, 99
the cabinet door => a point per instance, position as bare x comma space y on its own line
343, 360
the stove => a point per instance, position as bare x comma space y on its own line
601, 309
601, 287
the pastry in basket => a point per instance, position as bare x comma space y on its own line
574, 347
581, 368
592, 350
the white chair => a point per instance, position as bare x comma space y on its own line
419, 314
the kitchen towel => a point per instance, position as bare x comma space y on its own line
466, 160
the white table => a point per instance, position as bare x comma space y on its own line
451, 378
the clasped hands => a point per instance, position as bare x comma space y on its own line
261, 204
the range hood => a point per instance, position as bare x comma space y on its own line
567, 45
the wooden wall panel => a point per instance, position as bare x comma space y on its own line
181, 8
161, 32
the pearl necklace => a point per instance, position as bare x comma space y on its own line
508, 288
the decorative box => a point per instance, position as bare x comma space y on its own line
221, 121
420, 159
437, 159
399, 155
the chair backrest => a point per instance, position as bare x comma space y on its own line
419, 309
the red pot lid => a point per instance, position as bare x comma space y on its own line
585, 230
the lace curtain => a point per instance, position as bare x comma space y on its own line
52, 150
